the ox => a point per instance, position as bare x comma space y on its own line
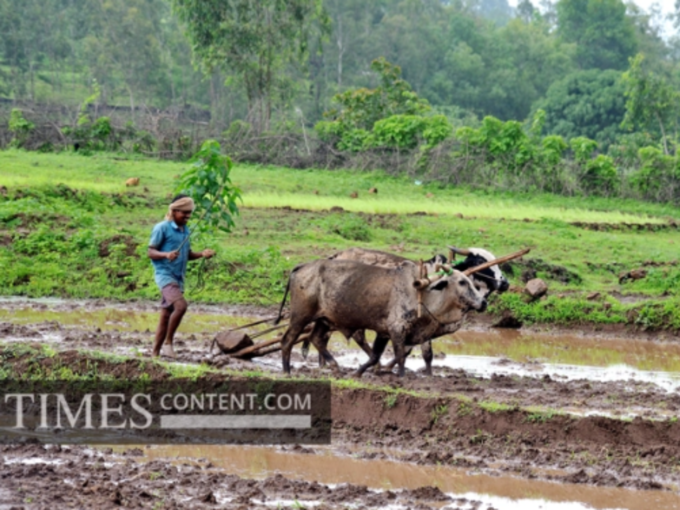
349, 296
486, 281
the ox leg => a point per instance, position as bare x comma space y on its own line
359, 337
320, 337
391, 364
378, 348
323, 348
305, 342
320, 342
289, 338
400, 356
426, 348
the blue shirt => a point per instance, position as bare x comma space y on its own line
167, 236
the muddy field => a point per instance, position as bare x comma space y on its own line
510, 419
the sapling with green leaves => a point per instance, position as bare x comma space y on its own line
208, 183
207, 188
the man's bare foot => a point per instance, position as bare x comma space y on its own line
168, 352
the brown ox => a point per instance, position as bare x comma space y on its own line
486, 281
349, 296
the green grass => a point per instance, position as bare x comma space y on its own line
51, 240
266, 187
495, 407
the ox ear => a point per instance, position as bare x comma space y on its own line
440, 285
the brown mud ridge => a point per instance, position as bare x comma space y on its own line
443, 423
35, 476
628, 227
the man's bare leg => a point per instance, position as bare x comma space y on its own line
161, 330
179, 308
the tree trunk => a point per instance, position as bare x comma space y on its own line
132, 103
268, 76
32, 78
341, 50
663, 134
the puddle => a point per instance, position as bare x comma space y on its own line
591, 350
485, 367
503, 493
115, 318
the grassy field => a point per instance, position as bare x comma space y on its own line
92, 243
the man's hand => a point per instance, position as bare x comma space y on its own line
172, 255
208, 254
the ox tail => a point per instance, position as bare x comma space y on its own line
285, 294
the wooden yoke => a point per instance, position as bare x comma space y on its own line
497, 261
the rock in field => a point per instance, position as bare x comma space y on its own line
536, 288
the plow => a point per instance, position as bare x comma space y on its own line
237, 343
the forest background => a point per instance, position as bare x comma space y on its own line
576, 97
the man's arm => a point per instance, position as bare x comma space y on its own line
154, 254
193, 255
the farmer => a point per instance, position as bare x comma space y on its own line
170, 265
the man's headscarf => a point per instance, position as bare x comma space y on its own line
185, 204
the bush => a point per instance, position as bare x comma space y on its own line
348, 226
658, 177
19, 127
600, 177
582, 148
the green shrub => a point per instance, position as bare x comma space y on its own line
348, 226
552, 149
19, 127
350, 125
658, 177
399, 131
600, 177
582, 148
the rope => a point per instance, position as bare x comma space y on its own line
200, 271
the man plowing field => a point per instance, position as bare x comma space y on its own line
169, 251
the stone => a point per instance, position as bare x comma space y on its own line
536, 288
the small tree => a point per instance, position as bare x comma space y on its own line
257, 40
208, 183
650, 100
19, 127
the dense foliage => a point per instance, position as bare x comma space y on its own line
463, 91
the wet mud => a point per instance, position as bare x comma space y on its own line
39, 477
587, 432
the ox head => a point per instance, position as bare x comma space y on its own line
448, 297
488, 280
437, 260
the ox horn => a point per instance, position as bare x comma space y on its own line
460, 251
495, 262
